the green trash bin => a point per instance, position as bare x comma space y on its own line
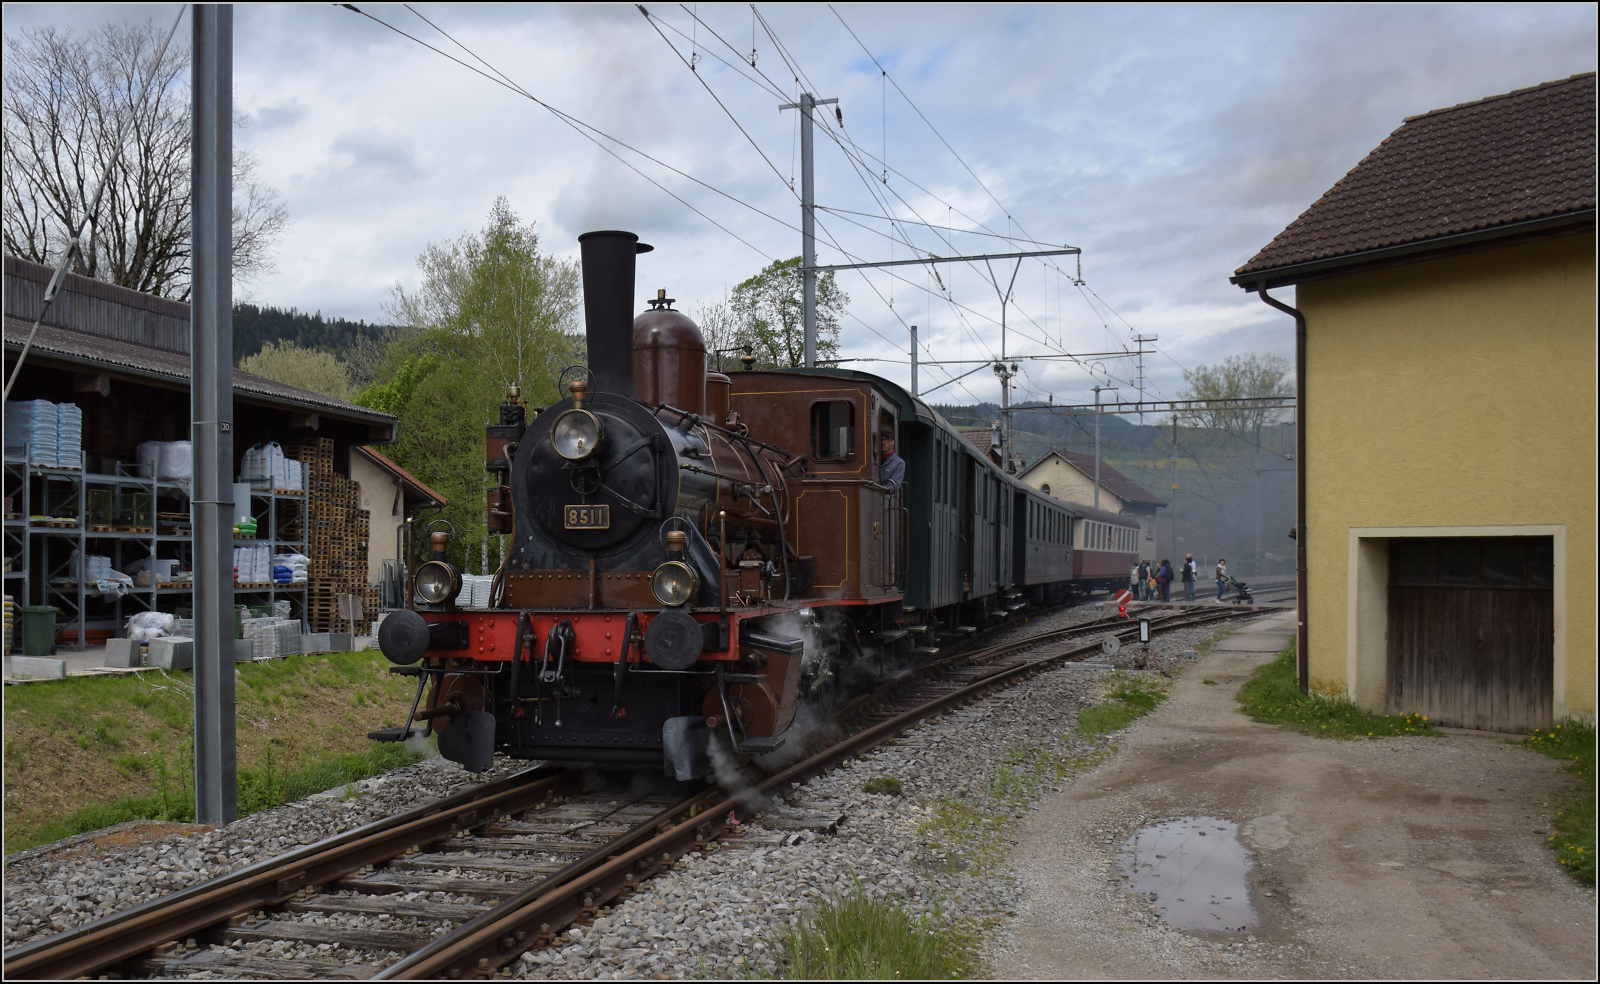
39, 630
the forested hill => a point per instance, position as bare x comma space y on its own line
255, 326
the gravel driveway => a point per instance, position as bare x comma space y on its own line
1402, 857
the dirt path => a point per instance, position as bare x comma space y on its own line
1405, 857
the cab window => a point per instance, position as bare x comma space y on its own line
833, 430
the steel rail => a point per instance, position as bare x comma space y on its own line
125, 935
497, 940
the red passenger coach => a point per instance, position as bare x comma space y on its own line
1105, 547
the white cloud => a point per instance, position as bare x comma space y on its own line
1169, 142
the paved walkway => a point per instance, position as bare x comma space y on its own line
1404, 857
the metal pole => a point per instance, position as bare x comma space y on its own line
1175, 485
808, 224
211, 411
808, 231
1255, 570
913, 360
1001, 369
1097, 415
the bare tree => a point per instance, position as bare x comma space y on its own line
70, 101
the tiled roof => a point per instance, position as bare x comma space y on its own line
1525, 155
383, 462
143, 360
1111, 480
978, 438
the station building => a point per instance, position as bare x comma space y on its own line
1070, 475
1445, 290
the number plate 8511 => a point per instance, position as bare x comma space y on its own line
587, 517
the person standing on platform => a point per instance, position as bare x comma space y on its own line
1143, 594
1133, 583
1164, 579
1189, 572
1222, 576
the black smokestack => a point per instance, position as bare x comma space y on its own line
608, 262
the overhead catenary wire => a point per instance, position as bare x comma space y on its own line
600, 139
857, 157
585, 130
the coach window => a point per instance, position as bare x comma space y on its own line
833, 430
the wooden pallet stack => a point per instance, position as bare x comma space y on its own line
338, 530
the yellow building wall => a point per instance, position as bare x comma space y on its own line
1070, 485
1456, 392
379, 491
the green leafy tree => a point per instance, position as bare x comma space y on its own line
1236, 378
312, 369
767, 315
394, 397
491, 311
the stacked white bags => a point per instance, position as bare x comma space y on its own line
69, 436
168, 461
265, 466
36, 424
291, 568
252, 565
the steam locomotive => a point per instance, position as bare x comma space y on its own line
697, 557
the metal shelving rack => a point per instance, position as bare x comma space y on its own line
33, 548
43, 548
283, 513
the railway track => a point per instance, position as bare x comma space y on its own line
464, 885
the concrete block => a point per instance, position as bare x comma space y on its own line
171, 653
243, 651
340, 642
124, 653
314, 642
38, 668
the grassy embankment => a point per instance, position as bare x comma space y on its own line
88, 752
858, 938
1573, 840
1272, 695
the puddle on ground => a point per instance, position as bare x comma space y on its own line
1193, 871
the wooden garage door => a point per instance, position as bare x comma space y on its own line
1472, 631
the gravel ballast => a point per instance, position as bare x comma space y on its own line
936, 849
50, 891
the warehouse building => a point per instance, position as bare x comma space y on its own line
99, 489
1444, 291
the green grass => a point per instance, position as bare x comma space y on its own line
85, 752
1131, 700
855, 939
1573, 840
888, 785
1272, 695
259, 789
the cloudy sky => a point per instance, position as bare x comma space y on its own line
1168, 142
